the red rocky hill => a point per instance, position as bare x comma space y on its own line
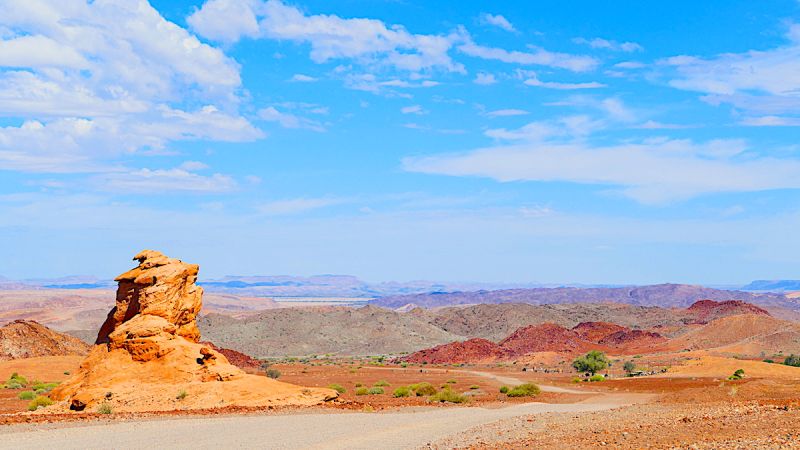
29, 339
705, 311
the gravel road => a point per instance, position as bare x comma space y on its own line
390, 430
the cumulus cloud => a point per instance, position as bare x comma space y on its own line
91, 81
497, 21
299, 77
331, 37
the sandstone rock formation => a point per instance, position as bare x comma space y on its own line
29, 339
147, 352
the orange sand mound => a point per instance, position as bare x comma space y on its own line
718, 367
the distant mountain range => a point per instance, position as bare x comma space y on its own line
353, 287
773, 285
664, 295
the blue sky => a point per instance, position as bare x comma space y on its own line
631, 142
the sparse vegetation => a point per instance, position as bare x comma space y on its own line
423, 389
45, 387
381, 383
39, 402
376, 391
104, 408
448, 395
362, 391
524, 390
504, 389
629, 367
474, 386
597, 377
16, 381
181, 395
592, 362
402, 391
451, 381
337, 387
738, 375
792, 360
26, 395
576, 380
273, 373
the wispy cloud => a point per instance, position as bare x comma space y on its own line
300, 78
498, 21
506, 113
606, 44
413, 109
289, 120
534, 81
536, 56
297, 205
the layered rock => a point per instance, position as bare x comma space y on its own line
148, 351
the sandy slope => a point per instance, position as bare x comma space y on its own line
400, 430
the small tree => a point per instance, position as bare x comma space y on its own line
629, 367
591, 362
792, 360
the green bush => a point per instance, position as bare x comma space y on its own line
592, 362
576, 380
792, 360
474, 386
376, 391
26, 395
448, 395
39, 386
181, 395
504, 389
362, 391
769, 361
16, 381
597, 378
39, 402
738, 375
273, 373
524, 390
402, 391
451, 381
629, 367
381, 383
104, 408
337, 387
423, 389
358, 385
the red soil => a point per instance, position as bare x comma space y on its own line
547, 337
596, 331
238, 359
705, 311
472, 350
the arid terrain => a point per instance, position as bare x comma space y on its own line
240, 370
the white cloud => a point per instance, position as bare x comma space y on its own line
771, 121
630, 65
289, 120
536, 56
746, 80
193, 166
484, 78
534, 81
297, 205
331, 37
95, 80
606, 44
655, 125
413, 109
506, 113
161, 181
497, 21
299, 77
650, 172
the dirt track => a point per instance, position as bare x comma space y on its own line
406, 429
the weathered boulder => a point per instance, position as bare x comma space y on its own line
148, 351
